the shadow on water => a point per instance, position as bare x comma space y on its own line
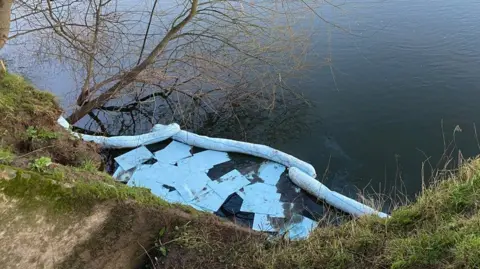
271, 128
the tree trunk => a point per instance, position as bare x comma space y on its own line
5, 10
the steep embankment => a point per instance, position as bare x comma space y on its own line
70, 215
59, 211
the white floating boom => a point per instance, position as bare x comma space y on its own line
317, 189
161, 133
301, 173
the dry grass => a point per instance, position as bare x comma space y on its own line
440, 230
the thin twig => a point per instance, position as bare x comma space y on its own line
476, 136
146, 252
21, 156
327, 168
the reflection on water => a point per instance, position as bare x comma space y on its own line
380, 84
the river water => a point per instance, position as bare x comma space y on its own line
383, 78
398, 70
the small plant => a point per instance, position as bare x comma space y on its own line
159, 244
6, 156
89, 165
40, 134
41, 164
58, 174
32, 133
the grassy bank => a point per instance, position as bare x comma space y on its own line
440, 230
48, 177
29, 129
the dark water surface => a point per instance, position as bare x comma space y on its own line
380, 82
404, 67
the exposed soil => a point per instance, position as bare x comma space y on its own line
111, 235
35, 239
124, 237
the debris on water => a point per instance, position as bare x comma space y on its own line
263, 205
261, 222
174, 152
160, 173
210, 181
229, 184
262, 198
133, 158
204, 176
208, 200
122, 175
203, 161
174, 197
261, 189
270, 172
299, 229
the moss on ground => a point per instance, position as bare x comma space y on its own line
59, 192
29, 127
18, 98
64, 189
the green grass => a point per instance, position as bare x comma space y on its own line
440, 230
89, 165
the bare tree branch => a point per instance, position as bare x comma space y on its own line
132, 74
